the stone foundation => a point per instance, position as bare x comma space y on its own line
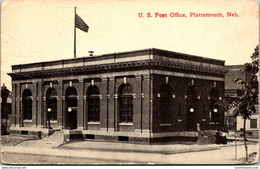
70, 135
31, 132
144, 137
136, 137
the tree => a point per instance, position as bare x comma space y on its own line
245, 106
4, 94
4, 109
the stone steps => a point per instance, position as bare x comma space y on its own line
208, 138
57, 136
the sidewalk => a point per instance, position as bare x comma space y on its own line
91, 145
238, 138
139, 148
122, 152
147, 154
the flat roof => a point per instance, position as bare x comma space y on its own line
234, 66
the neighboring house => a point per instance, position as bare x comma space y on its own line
147, 96
232, 92
252, 125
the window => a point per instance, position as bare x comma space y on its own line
204, 112
253, 123
27, 109
228, 121
192, 94
179, 112
27, 105
165, 103
93, 104
125, 104
51, 95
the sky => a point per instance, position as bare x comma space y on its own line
37, 31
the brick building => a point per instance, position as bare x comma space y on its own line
138, 96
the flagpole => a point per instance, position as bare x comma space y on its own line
75, 33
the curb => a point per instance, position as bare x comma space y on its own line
241, 140
166, 152
117, 161
15, 144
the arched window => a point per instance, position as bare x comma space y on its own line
51, 99
93, 103
125, 100
27, 104
71, 92
165, 103
214, 95
191, 93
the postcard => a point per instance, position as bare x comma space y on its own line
129, 82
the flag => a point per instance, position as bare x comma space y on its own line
79, 23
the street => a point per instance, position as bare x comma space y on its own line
12, 158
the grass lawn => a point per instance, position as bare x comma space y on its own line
10, 140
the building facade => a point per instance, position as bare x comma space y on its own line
232, 92
138, 96
252, 124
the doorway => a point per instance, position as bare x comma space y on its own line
192, 108
71, 108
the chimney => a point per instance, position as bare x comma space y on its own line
90, 53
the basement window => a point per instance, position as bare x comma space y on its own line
90, 136
123, 138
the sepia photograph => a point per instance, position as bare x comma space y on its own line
125, 82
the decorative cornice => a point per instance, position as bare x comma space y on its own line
144, 64
188, 67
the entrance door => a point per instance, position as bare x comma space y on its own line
71, 108
191, 119
192, 108
71, 113
51, 106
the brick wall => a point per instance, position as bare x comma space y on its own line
179, 106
